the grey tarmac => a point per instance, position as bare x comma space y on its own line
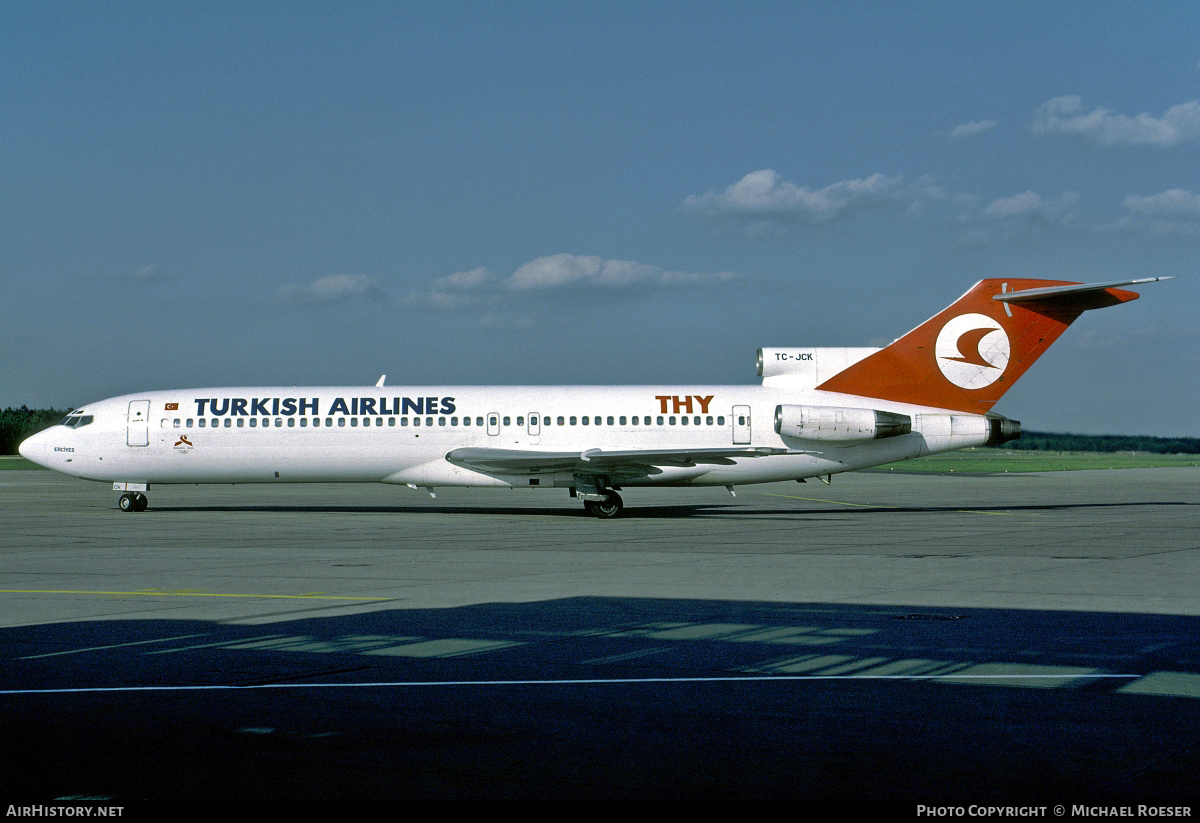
994, 639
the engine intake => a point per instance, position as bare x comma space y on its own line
839, 424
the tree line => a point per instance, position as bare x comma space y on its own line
17, 424
1047, 441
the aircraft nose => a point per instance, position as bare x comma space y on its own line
34, 448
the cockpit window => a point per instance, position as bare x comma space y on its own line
74, 421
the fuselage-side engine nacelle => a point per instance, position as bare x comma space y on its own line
838, 424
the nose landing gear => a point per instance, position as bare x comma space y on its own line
133, 502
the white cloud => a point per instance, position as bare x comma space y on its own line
1029, 205
1018, 215
763, 196
1175, 211
149, 274
560, 270
1176, 203
1029, 202
971, 129
332, 289
461, 290
1066, 115
503, 298
465, 280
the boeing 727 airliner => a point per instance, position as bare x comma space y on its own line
819, 411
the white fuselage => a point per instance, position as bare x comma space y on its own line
403, 434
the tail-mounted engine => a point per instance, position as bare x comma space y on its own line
1001, 429
839, 424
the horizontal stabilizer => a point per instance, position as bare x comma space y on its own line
1078, 296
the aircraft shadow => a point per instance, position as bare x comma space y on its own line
635, 512
590, 697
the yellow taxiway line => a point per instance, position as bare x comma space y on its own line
192, 593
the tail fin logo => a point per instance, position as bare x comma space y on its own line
972, 351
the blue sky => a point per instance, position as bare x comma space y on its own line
197, 194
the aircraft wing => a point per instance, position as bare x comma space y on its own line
594, 461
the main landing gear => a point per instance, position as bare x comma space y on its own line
133, 502
598, 499
610, 506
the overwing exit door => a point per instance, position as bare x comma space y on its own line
741, 425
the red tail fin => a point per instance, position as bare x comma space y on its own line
967, 356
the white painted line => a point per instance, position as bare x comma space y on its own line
115, 646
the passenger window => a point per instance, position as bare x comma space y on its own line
586, 420
660, 420
562, 421
441, 421
453, 421
203, 422
572, 421
521, 420
189, 423
354, 421
478, 421
304, 422
378, 421
721, 420
416, 421
253, 422
622, 420
708, 420
392, 422
610, 420
176, 422
291, 422
366, 421
328, 422
506, 419
428, 421
672, 419
341, 422
403, 421
683, 420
